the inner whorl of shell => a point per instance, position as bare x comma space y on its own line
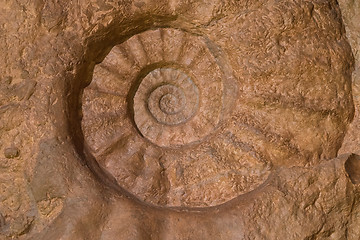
153, 119
167, 110
164, 104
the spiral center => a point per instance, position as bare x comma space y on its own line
165, 103
170, 104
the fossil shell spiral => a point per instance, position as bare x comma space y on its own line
167, 109
163, 104
153, 117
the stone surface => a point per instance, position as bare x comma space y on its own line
351, 15
226, 115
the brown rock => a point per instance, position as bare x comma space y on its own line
179, 120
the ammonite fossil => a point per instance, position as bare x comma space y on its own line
154, 118
167, 109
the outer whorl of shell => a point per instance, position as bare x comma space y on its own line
153, 117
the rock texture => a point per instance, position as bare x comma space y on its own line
351, 15
179, 120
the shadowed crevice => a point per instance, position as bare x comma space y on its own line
352, 167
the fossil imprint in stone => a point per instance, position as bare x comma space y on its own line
245, 103
165, 101
153, 119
